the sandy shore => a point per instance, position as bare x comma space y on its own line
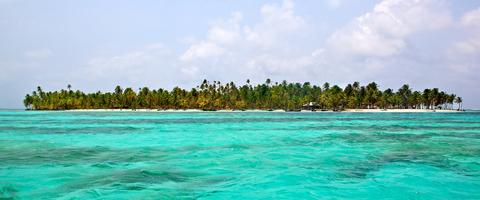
398, 110
257, 110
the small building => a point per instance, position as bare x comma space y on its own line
311, 106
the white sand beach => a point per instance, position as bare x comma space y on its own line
398, 110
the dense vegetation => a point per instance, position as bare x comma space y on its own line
213, 96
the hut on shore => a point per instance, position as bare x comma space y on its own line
311, 106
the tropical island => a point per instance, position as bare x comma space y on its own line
212, 96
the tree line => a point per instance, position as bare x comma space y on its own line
268, 96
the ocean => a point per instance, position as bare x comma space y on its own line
239, 155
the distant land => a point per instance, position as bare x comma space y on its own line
212, 96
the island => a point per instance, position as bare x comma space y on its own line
267, 96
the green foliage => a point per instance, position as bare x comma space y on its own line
213, 96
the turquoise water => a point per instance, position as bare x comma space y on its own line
135, 155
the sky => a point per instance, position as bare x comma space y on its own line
96, 45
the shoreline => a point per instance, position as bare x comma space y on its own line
259, 110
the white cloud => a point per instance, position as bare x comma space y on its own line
464, 55
202, 50
233, 49
221, 34
334, 3
39, 54
471, 19
278, 22
226, 32
382, 32
151, 64
470, 46
471, 25
128, 61
372, 45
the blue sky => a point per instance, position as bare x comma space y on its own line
95, 45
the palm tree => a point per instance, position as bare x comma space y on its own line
27, 102
118, 90
336, 98
415, 99
326, 86
459, 100
387, 98
405, 93
433, 96
426, 98
372, 94
356, 85
451, 99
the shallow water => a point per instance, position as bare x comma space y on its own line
263, 155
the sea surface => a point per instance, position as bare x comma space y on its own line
239, 155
